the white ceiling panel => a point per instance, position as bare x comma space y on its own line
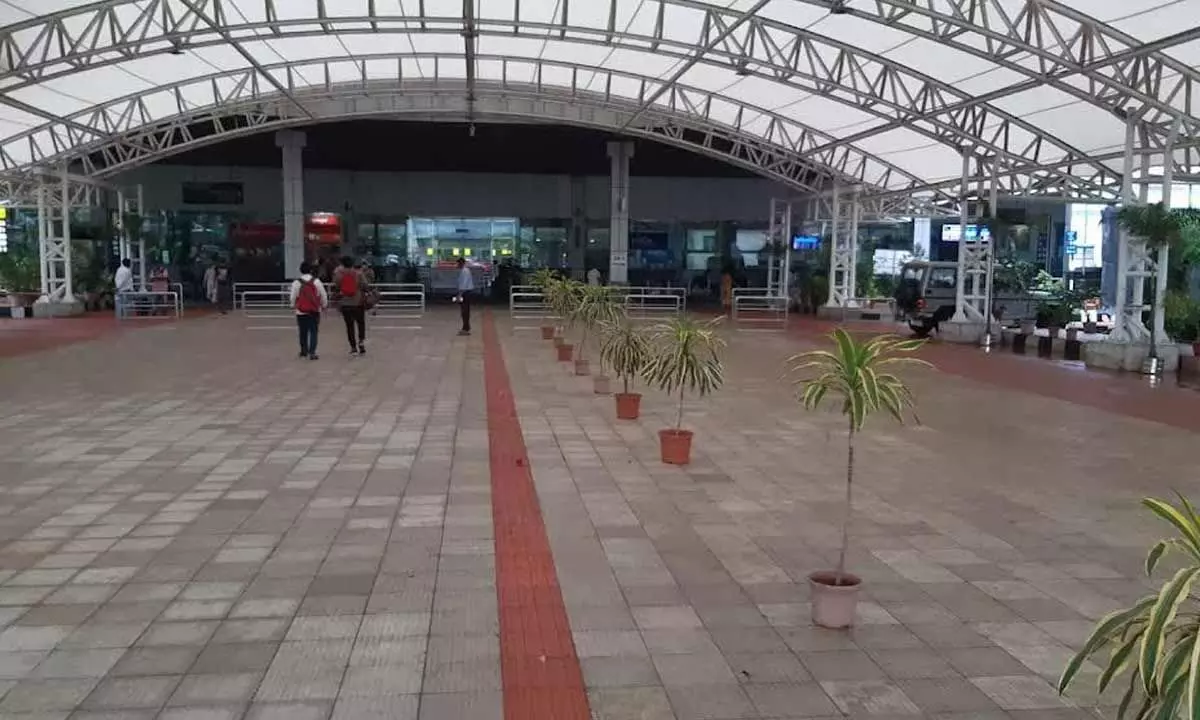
303, 38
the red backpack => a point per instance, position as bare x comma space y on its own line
348, 286
308, 300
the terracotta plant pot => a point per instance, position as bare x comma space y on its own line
834, 606
547, 332
629, 406
565, 351
582, 367
675, 446
600, 384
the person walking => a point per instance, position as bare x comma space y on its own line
466, 287
124, 284
352, 295
309, 298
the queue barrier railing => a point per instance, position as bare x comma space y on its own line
639, 305
241, 289
757, 309
148, 305
400, 303
527, 303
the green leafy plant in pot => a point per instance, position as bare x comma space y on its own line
597, 306
20, 276
563, 297
1153, 647
1162, 229
857, 375
625, 348
684, 357
542, 280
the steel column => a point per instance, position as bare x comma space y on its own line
291, 143
619, 153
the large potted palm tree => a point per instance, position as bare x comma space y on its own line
1162, 229
563, 297
597, 307
625, 349
1154, 644
856, 374
542, 279
684, 357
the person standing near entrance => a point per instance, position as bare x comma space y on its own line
124, 284
466, 287
308, 299
352, 295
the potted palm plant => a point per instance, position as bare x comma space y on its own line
1161, 228
857, 375
625, 349
684, 357
542, 280
1156, 642
563, 297
596, 306
20, 277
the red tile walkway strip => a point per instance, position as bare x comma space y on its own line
541, 676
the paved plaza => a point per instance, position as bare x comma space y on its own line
196, 525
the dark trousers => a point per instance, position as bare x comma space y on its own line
466, 312
356, 319
309, 324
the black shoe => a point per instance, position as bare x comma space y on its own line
303, 354
353, 352
362, 350
314, 356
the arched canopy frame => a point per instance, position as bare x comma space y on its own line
1039, 42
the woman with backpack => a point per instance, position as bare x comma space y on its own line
351, 287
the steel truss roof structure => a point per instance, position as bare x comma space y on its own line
884, 96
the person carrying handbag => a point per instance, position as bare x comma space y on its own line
352, 298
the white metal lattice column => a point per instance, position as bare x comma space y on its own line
779, 240
843, 256
54, 240
971, 280
1131, 261
132, 238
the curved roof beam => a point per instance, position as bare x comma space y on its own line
864, 81
115, 119
1123, 74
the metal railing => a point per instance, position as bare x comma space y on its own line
528, 303
651, 291
758, 309
400, 303
639, 305
265, 303
148, 305
241, 289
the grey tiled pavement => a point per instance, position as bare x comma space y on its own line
198, 526
991, 537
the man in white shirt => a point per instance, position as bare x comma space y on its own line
466, 286
593, 277
124, 284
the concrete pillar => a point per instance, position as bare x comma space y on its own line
619, 152
291, 142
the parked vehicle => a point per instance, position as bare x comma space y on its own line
925, 297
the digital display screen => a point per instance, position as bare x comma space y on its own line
952, 233
806, 242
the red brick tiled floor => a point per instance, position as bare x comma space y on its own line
1125, 394
539, 668
29, 335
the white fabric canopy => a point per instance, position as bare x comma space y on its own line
882, 93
